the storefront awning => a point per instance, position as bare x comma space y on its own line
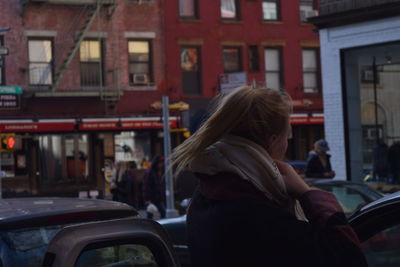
88, 124
306, 119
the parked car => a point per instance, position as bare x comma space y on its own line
30, 225
352, 197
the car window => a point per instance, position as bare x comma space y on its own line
349, 199
124, 255
26, 247
383, 248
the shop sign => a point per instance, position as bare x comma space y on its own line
230, 81
307, 120
124, 125
10, 101
9, 90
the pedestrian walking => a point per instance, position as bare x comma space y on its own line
318, 161
122, 188
394, 162
154, 186
251, 208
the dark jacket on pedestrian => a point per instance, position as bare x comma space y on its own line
231, 223
153, 183
124, 190
315, 168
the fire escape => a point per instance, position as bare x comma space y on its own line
91, 8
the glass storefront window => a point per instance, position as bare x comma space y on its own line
133, 146
64, 158
373, 111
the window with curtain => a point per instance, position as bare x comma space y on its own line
273, 68
91, 63
140, 65
310, 70
191, 70
40, 61
271, 10
229, 9
188, 9
232, 58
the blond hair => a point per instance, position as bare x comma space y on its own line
255, 114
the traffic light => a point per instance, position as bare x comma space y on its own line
10, 142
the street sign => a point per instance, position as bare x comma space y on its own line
9, 90
9, 101
230, 81
4, 51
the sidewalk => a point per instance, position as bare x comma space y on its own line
384, 187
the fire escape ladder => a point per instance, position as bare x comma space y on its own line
79, 38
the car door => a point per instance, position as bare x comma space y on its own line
378, 228
124, 242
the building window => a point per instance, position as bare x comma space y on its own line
232, 57
254, 65
40, 62
2, 59
91, 63
230, 9
271, 10
188, 9
191, 70
273, 68
307, 9
310, 70
140, 62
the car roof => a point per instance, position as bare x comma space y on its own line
386, 200
26, 212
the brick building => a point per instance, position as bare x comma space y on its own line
83, 76
267, 41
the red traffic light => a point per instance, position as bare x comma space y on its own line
10, 142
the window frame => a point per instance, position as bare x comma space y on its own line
196, 11
281, 67
51, 62
149, 62
278, 10
199, 68
102, 80
317, 72
237, 11
2, 68
240, 57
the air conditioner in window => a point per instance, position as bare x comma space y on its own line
371, 133
304, 14
140, 79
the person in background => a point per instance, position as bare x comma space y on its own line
394, 162
154, 186
380, 164
318, 162
252, 208
123, 186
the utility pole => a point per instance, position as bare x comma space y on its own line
169, 182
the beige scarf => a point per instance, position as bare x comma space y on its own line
249, 161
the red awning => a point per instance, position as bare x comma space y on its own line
90, 124
306, 119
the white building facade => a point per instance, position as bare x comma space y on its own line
360, 112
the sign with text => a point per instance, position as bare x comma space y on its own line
7, 90
9, 101
230, 81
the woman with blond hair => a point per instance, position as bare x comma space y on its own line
251, 208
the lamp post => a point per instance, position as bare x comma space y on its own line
169, 183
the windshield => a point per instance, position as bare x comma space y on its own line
26, 247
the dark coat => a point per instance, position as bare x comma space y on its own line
125, 189
230, 223
314, 167
154, 184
